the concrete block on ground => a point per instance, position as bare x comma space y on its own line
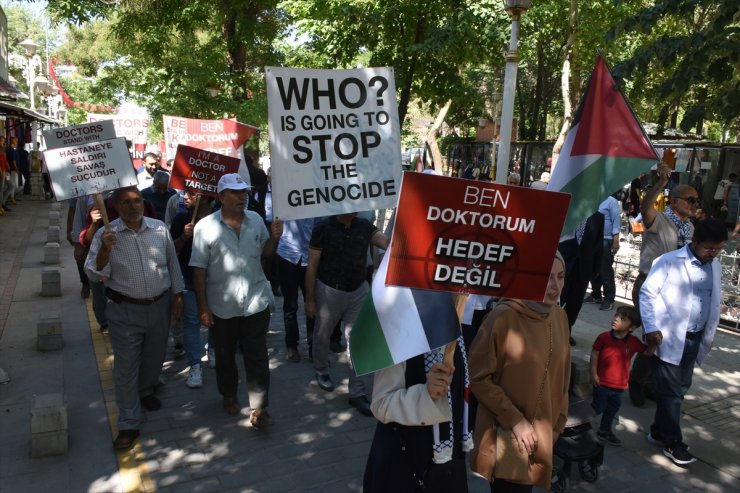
53, 234
49, 332
49, 425
51, 253
51, 282
54, 218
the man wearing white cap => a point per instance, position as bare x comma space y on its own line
233, 294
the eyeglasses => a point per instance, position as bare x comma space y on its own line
691, 199
712, 250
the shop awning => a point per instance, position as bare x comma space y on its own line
25, 114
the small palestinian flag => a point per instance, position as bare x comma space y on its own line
397, 323
605, 148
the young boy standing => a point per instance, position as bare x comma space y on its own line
611, 355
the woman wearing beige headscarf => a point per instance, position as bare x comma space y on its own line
519, 371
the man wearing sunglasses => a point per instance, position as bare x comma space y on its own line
664, 232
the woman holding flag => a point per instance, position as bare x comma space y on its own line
519, 372
422, 434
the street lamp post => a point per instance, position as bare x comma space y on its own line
31, 65
515, 8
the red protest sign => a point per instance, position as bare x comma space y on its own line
474, 237
200, 170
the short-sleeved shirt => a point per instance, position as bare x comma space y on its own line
236, 285
343, 263
615, 355
293, 245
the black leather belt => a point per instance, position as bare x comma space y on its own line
694, 335
117, 297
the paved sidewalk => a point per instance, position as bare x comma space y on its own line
318, 443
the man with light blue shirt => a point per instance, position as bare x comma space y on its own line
229, 249
612, 225
292, 260
679, 303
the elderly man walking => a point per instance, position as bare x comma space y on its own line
233, 294
137, 258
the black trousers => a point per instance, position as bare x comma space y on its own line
250, 333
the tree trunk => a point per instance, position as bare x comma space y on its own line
565, 83
432, 136
403, 102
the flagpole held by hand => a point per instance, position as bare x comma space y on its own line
103, 211
195, 209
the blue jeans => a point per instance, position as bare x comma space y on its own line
191, 328
606, 275
671, 384
608, 401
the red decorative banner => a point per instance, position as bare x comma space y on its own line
200, 170
474, 237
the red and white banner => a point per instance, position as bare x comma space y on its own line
195, 169
475, 237
224, 137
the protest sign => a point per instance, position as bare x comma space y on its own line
132, 124
334, 141
133, 127
78, 134
90, 168
200, 170
225, 137
475, 237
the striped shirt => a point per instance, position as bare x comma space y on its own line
143, 264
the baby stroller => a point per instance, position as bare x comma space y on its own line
578, 443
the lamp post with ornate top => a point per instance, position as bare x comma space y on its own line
515, 8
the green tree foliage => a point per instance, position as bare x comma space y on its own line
164, 54
429, 44
695, 46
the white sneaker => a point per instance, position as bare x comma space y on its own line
195, 377
211, 358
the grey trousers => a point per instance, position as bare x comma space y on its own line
138, 335
331, 306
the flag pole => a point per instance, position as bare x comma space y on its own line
101, 207
460, 301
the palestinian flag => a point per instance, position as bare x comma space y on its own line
605, 148
397, 323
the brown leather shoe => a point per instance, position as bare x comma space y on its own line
231, 406
125, 439
260, 418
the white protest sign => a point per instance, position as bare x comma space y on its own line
334, 141
79, 134
90, 168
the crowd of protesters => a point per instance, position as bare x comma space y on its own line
179, 260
